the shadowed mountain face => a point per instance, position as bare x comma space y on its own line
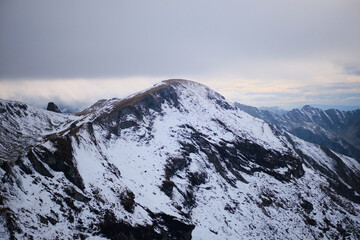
176, 161
335, 129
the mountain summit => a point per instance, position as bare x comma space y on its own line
176, 161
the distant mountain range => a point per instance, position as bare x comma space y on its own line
335, 129
279, 110
276, 110
339, 107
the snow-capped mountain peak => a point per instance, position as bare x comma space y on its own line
177, 161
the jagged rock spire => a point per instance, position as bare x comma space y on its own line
52, 107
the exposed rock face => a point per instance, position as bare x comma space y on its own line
53, 108
59, 160
176, 161
335, 129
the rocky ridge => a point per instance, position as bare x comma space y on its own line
176, 161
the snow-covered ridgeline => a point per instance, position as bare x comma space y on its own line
178, 153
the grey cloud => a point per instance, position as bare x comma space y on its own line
95, 39
277, 94
329, 88
352, 70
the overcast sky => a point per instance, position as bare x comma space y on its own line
263, 53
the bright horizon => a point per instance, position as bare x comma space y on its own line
264, 53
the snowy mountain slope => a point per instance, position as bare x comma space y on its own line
335, 129
23, 126
177, 161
